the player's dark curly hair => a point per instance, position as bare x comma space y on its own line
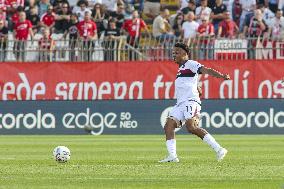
182, 46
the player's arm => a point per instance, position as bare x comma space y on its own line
214, 73
199, 89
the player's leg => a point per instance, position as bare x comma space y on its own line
192, 124
169, 128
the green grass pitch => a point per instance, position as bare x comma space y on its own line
130, 161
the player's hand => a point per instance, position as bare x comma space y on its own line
226, 76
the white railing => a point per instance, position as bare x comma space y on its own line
144, 48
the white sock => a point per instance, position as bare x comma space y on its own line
171, 146
211, 142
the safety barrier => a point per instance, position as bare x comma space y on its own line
145, 48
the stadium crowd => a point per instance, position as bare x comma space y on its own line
83, 22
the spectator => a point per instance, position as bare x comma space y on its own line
46, 46
206, 33
152, 8
177, 25
82, 4
30, 3
72, 3
112, 34
237, 11
189, 27
99, 17
190, 7
131, 4
217, 14
139, 5
229, 4
198, 3
98, 12
202, 11
87, 33
118, 15
163, 32
247, 7
128, 12
73, 35
183, 4
281, 5
62, 19
42, 7
276, 26
228, 28
48, 18
256, 26
22, 30
3, 15
93, 2
161, 26
111, 5
262, 2
267, 14
248, 17
132, 28
34, 18
273, 5
57, 4
3, 40
12, 20
254, 29
13, 4
211, 4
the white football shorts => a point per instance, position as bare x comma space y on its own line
185, 110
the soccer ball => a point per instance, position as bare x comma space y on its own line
88, 128
61, 154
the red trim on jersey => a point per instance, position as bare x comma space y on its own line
186, 71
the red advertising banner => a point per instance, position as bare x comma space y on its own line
135, 80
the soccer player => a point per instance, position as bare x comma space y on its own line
188, 104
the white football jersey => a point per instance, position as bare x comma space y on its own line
186, 82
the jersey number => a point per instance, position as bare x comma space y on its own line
187, 108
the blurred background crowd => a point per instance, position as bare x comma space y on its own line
82, 22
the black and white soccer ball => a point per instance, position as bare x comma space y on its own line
61, 154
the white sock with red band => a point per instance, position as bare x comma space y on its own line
212, 142
171, 146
